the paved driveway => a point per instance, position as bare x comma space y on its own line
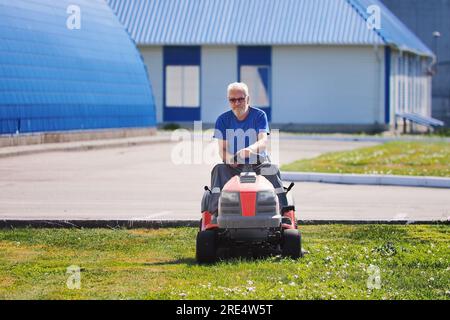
142, 183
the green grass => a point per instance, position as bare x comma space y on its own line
397, 158
414, 263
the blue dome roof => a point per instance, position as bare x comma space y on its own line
53, 77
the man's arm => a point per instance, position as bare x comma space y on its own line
223, 152
260, 145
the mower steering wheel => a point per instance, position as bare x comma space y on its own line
237, 157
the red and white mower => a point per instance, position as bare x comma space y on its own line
249, 219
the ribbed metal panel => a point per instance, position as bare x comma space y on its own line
239, 22
53, 78
261, 22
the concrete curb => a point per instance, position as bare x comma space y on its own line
110, 224
156, 224
367, 179
81, 146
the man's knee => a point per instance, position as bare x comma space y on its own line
270, 170
219, 168
220, 174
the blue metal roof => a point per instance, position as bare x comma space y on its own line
53, 78
256, 22
393, 31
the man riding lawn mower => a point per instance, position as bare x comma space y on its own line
247, 207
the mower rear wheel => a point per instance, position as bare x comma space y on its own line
292, 244
206, 246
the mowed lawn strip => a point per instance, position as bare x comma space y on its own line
396, 158
344, 262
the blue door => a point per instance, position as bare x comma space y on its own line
181, 83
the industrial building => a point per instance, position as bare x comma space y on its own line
430, 21
310, 64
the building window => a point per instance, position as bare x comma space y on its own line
183, 86
256, 78
182, 83
255, 70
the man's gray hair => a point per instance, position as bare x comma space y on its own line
238, 86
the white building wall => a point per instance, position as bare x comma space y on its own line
327, 85
310, 84
153, 58
218, 69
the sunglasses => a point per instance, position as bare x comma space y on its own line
234, 100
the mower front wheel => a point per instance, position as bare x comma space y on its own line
292, 244
206, 246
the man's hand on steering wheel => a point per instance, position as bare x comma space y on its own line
245, 153
236, 159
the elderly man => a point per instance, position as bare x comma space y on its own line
242, 136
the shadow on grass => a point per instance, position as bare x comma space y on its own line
187, 261
231, 259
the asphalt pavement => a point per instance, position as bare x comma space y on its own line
148, 182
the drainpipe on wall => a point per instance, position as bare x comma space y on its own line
380, 82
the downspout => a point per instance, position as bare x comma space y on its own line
387, 85
379, 79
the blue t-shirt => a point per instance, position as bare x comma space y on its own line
241, 134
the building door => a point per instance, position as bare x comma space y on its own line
255, 70
181, 84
